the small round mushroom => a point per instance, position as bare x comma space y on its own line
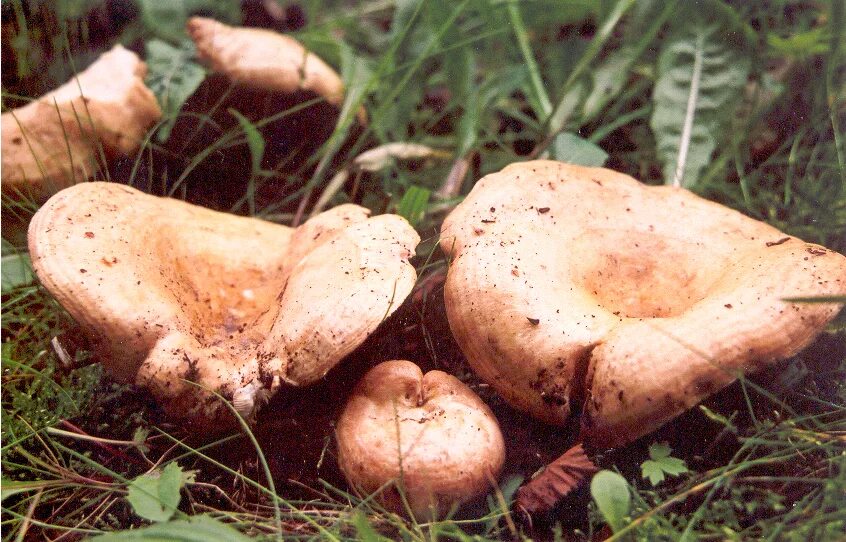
189, 301
430, 433
573, 287
56, 140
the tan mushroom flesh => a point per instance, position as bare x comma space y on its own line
264, 59
429, 432
57, 140
572, 286
176, 293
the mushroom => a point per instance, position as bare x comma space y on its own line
430, 433
57, 140
189, 301
263, 59
574, 288
290, 95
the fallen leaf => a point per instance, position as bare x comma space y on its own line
557, 480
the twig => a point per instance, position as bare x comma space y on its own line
452, 184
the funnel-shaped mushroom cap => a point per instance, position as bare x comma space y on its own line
429, 432
178, 293
571, 284
263, 59
56, 140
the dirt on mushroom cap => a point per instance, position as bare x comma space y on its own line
430, 433
57, 140
575, 288
179, 294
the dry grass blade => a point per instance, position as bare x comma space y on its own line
557, 480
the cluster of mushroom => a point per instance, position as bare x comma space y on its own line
570, 289
195, 304
63, 137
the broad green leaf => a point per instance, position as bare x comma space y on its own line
165, 19
254, 140
16, 270
701, 74
412, 206
611, 494
155, 496
195, 529
568, 147
173, 76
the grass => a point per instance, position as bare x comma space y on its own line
482, 83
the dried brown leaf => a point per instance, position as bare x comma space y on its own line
558, 479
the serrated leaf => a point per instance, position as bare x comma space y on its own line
195, 529
255, 141
700, 78
611, 494
412, 206
659, 450
661, 464
653, 472
173, 76
16, 270
155, 495
568, 147
673, 466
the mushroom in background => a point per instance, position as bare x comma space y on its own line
57, 140
189, 301
581, 289
430, 433
290, 94
263, 59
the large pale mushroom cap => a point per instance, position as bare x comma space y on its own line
57, 139
176, 292
573, 286
430, 433
263, 59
